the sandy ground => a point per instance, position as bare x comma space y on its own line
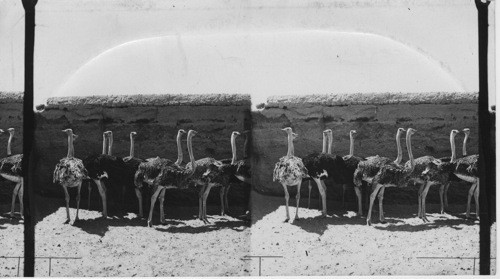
340, 244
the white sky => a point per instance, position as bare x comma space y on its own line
258, 47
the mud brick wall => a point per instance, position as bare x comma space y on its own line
376, 118
11, 116
155, 118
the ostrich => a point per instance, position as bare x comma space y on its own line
290, 171
368, 169
351, 163
437, 172
443, 190
11, 169
70, 172
311, 158
148, 170
105, 166
467, 170
172, 176
132, 163
391, 175
104, 152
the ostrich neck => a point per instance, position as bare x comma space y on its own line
131, 146
110, 144
410, 153
351, 146
330, 143
180, 156
453, 151
464, 150
9, 151
324, 143
400, 151
190, 151
70, 146
103, 143
290, 151
233, 148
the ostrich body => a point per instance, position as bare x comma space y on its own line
172, 176
290, 171
320, 166
70, 172
437, 172
11, 169
351, 163
148, 170
467, 170
310, 159
105, 166
369, 168
132, 163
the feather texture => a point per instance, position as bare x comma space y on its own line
12, 165
289, 169
69, 171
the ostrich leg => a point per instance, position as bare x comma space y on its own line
324, 191
200, 202
20, 194
297, 198
323, 195
78, 200
102, 191
222, 205
441, 194
469, 197
476, 198
381, 204
420, 191
226, 192
360, 200
139, 198
422, 198
66, 194
309, 185
162, 211
14, 195
153, 200
89, 187
372, 199
287, 197
205, 196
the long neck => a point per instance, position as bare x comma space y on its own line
131, 145
110, 144
410, 153
453, 151
330, 143
190, 151
290, 145
464, 150
400, 151
71, 151
233, 148
180, 156
325, 143
103, 144
351, 146
9, 151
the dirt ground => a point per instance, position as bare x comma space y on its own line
340, 244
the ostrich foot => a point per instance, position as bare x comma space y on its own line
286, 220
205, 220
150, 224
163, 222
67, 221
425, 219
383, 221
12, 215
368, 222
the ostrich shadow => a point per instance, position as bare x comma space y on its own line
100, 226
214, 226
456, 224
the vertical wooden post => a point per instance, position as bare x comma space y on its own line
28, 136
485, 170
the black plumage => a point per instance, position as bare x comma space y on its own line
12, 165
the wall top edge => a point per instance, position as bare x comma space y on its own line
11, 97
159, 100
291, 101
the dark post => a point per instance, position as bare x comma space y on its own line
485, 171
28, 131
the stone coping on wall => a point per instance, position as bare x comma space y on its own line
11, 97
149, 100
291, 101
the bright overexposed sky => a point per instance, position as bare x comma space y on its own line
261, 48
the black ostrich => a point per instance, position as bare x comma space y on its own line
149, 170
467, 170
443, 190
311, 157
105, 166
172, 176
391, 175
69, 173
11, 169
351, 163
132, 163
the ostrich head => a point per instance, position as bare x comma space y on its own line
182, 131
67, 131
400, 130
108, 133
466, 131
288, 130
353, 133
133, 134
454, 132
11, 131
1, 131
235, 133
